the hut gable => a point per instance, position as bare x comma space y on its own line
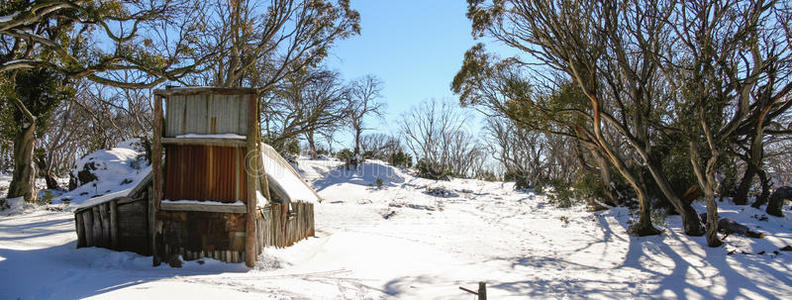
206, 114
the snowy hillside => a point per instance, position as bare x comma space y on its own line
414, 238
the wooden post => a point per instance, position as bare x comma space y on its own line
481, 293
78, 220
97, 227
250, 171
88, 226
114, 224
156, 165
106, 236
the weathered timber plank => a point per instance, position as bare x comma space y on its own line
125, 200
97, 227
175, 206
251, 172
87, 217
104, 211
205, 142
113, 224
78, 222
156, 171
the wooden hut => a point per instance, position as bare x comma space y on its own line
209, 193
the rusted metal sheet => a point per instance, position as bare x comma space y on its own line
206, 114
204, 173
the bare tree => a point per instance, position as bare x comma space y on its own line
363, 102
259, 43
519, 151
375, 145
303, 105
64, 37
435, 133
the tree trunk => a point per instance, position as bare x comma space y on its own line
774, 207
23, 182
706, 180
755, 157
741, 196
330, 147
357, 139
690, 219
311, 144
644, 226
764, 196
712, 219
45, 170
605, 179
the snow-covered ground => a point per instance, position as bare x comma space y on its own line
407, 240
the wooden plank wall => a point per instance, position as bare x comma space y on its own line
205, 173
272, 232
192, 235
120, 224
206, 114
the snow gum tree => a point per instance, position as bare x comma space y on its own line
60, 40
604, 49
664, 82
259, 43
725, 69
25, 109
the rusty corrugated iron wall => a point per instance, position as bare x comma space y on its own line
205, 173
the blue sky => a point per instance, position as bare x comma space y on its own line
415, 47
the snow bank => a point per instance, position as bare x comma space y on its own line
367, 174
109, 174
12, 206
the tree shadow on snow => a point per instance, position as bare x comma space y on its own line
688, 278
399, 286
65, 272
33, 230
555, 288
688, 269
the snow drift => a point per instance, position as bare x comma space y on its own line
107, 173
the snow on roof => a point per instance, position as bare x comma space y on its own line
146, 179
282, 174
114, 168
103, 198
118, 172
